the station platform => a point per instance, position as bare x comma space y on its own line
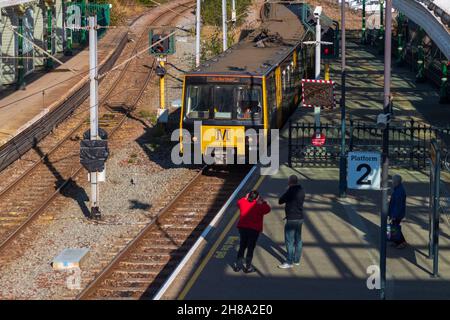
340, 242
21, 108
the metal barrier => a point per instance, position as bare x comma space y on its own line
103, 13
408, 144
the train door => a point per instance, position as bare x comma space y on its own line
279, 96
271, 103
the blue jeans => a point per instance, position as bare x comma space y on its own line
293, 239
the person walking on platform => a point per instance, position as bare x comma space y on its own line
252, 210
397, 212
293, 199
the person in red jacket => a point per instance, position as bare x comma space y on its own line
252, 210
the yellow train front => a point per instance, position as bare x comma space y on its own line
253, 85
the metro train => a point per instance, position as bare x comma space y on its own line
254, 84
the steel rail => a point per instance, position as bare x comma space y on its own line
130, 246
31, 217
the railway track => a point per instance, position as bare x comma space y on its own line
23, 200
142, 267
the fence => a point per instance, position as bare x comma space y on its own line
408, 143
102, 11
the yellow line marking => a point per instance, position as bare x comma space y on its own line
213, 249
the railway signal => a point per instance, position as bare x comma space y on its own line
162, 44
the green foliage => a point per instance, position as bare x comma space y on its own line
212, 11
213, 46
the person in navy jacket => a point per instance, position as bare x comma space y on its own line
397, 209
252, 210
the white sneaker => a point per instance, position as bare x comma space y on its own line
296, 263
285, 266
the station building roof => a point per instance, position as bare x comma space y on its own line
10, 3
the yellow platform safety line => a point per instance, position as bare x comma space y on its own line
213, 249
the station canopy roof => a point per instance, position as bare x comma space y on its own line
9, 3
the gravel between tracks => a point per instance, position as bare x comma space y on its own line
141, 180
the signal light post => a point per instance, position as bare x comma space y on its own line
162, 44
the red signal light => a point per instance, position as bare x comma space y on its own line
327, 51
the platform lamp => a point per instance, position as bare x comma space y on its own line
49, 4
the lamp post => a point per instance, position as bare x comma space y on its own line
385, 153
343, 160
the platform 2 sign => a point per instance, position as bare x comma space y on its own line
364, 170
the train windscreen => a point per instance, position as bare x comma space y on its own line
224, 102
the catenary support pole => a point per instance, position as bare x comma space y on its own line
343, 159
93, 103
224, 25
385, 155
198, 18
233, 11
318, 47
317, 70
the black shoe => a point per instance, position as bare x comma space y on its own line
236, 267
249, 269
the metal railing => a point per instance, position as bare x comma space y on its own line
408, 143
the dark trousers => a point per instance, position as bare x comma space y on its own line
293, 239
401, 238
248, 238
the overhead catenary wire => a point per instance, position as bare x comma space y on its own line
104, 74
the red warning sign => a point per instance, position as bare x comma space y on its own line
318, 139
